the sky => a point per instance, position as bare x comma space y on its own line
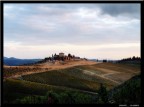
94, 31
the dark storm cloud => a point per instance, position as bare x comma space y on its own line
131, 10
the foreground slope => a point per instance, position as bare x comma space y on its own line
127, 93
25, 92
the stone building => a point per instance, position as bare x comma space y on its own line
61, 54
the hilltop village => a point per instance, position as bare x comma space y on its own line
62, 57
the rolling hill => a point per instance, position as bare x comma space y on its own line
78, 81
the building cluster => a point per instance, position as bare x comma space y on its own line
62, 57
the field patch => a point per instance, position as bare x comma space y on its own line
113, 72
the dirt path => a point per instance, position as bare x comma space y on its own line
102, 76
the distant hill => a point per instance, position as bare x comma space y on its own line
15, 61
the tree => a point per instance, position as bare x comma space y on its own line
133, 58
103, 95
52, 97
73, 56
104, 60
69, 55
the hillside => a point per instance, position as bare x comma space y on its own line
127, 93
79, 80
17, 71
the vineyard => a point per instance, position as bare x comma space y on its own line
57, 78
86, 77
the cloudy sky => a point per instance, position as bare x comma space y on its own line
109, 31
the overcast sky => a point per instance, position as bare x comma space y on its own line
104, 30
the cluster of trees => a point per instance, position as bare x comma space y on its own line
131, 59
134, 59
51, 97
105, 60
